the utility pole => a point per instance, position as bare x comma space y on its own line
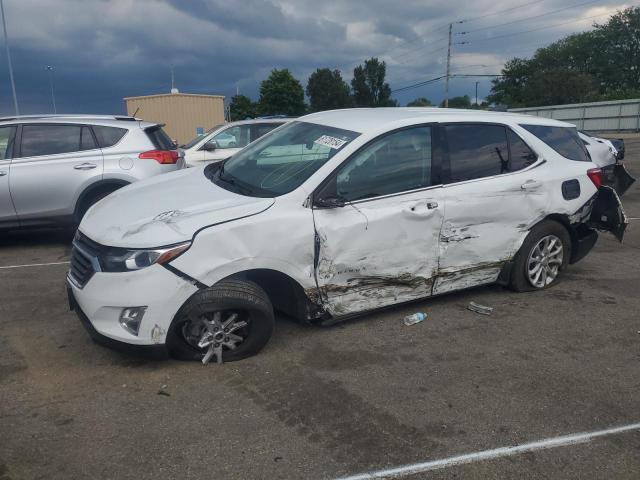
477, 94
53, 97
446, 82
6, 44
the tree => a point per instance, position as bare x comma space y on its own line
369, 86
420, 102
241, 108
458, 102
281, 94
327, 90
600, 64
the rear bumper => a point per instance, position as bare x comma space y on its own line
156, 352
584, 239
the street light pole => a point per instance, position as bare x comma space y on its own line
6, 44
53, 97
477, 93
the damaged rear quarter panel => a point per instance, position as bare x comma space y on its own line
487, 220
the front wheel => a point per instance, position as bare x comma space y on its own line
542, 257
230, 321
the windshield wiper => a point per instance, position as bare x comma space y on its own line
232, 181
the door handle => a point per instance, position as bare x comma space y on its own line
3, 173
530, 185
85, 166
418, 208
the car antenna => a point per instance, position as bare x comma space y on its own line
135, 113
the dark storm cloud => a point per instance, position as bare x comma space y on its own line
104, 50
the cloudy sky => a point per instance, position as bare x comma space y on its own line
104, 50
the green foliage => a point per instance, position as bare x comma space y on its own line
369, 86
458, 102
281, 94
420, 102
241, 108
327, 90
601, 64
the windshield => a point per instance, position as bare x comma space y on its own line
199, 138
281, 161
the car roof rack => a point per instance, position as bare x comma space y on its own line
73, 116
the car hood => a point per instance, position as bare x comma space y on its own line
165, 209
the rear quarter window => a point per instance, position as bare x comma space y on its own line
159, 138
564, 140
108, 136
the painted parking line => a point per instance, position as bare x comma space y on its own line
545, 444
33, 265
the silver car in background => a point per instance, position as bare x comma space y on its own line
53, 168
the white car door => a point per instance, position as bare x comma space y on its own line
7, 211
381, 246
491, 199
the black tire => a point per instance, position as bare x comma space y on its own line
87, 203
519, 274
229, 295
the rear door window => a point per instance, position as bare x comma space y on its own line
7, 134
87, 141
476, 151
40, 140
564, 140
108, 136
520, 155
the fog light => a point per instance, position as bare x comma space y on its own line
130, 319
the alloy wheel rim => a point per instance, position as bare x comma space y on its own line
214, 332
544, 262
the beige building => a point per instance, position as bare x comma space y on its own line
184, 114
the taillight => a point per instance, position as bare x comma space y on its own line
595, 174
161, 156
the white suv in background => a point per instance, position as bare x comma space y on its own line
54, 167
222, 141
332, 215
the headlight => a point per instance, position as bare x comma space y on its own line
125, 260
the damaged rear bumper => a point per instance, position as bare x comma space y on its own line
617, 177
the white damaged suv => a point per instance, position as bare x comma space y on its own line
332, 215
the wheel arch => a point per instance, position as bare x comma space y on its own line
285, 293
95, 188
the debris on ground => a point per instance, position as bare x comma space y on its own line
481, 309
163, 391
415, 318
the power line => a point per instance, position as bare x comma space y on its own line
433, 80
502, 11
530, 18
539, 28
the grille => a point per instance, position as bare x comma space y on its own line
84, 259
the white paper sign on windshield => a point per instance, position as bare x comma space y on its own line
331, 142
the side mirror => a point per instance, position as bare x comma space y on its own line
329, 202
210, 146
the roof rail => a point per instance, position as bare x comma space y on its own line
74, 115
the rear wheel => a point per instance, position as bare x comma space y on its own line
229, 321
542, 257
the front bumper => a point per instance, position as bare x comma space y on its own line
156, 352
100, 302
